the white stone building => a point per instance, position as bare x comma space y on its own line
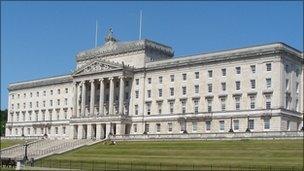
138, 87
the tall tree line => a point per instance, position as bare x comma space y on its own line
3, 119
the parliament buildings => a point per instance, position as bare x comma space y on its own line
138, 87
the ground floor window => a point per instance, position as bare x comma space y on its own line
208, 125
147, 128
28, 131
288, 125
266, 123
251, 124
222, 125
135, 127
158, 128
194, 126
236, 124
169, 127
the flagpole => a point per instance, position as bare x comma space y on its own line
96, 33
140, 24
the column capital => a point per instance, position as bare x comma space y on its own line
101, 79
122, 77
111, 78
91, 81
82, 82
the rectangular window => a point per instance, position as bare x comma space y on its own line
66, 90
171, 91
66, 101
184, 106
37, 104
209, 88
136, 94
65, 113
160, 92
237, 103
252, 102
268, 66
266, 123
224, 72
196, 89
136, 109
24, 95
43, 103
210, 73
63, 130
222, 125
252, 68
237, 85
223, 104
251, 124
184, 77
159, 108
268, 102
135, 127
184, 90
171, 107
36, 94
149, 93
56, 130
158, 128
148, 108
147, 128
208, 125
297, 87
252, 83
196, 105
194, 126
137, 81
236, 125
223, 86
169, 127
51, 103
127, 83
24, 105
238, 70
149, 80
58, 102
209, 105
196, 75
58, 91
172, 78
160, 79
51, 92
43, 115
268, 82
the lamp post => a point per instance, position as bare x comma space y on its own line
231, 130
25, 158
248, 129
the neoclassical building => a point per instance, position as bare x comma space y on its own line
139, 87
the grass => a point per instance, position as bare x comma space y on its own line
190, 154
8, 143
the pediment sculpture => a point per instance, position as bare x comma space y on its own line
96, 66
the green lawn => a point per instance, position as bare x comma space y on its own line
190, 154
8, 143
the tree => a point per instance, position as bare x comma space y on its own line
3, 119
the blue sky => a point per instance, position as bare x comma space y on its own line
40, 39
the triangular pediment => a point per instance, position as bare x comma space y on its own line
98, 66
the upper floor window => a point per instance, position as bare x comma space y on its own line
31, 94
184, 77
184, 90
66, 90
287, 84
65, 101
37, 104
210, 73
136, 94
159, 108
171, 91
209, 105
171, 104
43, 103
137, 81
18, 96
172, 78
58, 102
51, 92
268, 82
24, 95
13, 96
160, 79
37, 94
268, 66
238, 70
252, 83
31, 105
237, 85
58, 91
44, 93
223, 104
237, 103
268, 102
149, 80
160, 92
252, 68
136, 109
224, 72
196, 105
297, 87
196, 75
252, 102
209, 88
148, 108
183, 106
196, 89
51, 102
149, 93
223, 86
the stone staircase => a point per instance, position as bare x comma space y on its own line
43, 148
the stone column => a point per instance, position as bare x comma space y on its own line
89, 131
92, 101
108, 129
111, 97
80, 130
98, 131
121, 95
83, 99
101, 97
78, 99
75, 99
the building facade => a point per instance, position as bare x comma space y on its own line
138, 87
